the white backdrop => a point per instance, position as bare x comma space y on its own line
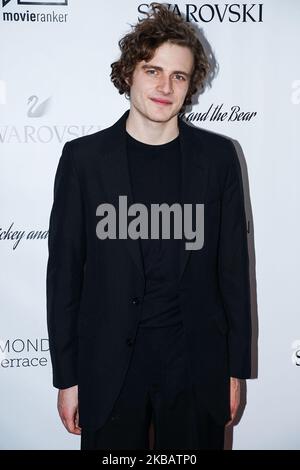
55, 86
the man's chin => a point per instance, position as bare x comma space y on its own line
162, 116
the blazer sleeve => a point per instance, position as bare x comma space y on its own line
234, 270
65, 268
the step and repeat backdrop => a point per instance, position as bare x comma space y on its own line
55, 61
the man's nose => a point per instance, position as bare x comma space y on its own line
165, 85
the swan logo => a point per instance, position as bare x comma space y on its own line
33, 132
32, 2
296, 352
295, 97
37, 109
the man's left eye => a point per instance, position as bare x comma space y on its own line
179, 77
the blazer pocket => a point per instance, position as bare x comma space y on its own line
221, 322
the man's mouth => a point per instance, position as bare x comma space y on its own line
161, 101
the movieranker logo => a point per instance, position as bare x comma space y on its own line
21, 2
44, 15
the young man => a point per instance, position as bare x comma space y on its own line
141, 327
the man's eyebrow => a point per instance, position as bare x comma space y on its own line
156, 67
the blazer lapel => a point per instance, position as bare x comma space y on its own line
194, 177
116, 179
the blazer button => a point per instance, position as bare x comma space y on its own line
129, 341
135, 301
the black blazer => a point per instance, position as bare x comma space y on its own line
95, 287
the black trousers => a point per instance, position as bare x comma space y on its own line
157, 387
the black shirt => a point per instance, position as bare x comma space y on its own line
155, 177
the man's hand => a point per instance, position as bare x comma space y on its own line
67, 405
235, 397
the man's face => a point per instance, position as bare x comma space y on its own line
159, 87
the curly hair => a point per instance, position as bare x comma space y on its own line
159, 26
